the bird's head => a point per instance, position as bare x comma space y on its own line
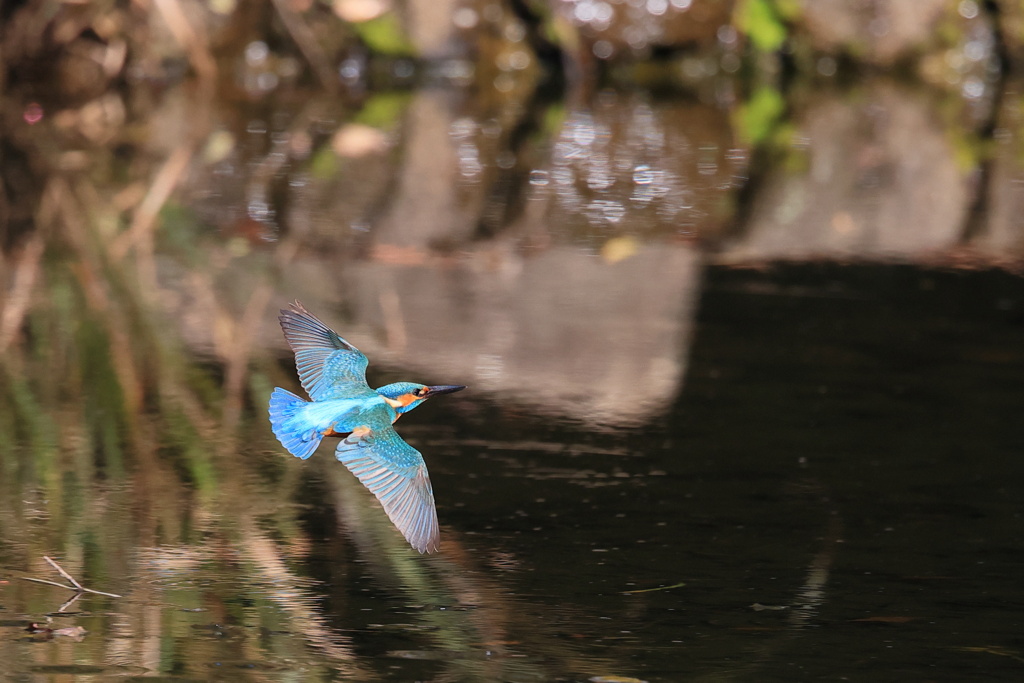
404, 396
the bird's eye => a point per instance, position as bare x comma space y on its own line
420, 392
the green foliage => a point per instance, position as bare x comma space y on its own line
324, 164
763, 22
384, 36
551, 122
105, 413
196, 453
383, 110
28, 419
757, 118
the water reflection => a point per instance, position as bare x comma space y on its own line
878, 177
560, 258
554, 331
467, 625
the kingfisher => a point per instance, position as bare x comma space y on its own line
342, 405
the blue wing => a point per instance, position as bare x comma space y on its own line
328, 365
395, 472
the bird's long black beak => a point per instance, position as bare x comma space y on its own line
444, 389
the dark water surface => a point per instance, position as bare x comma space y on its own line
834, 493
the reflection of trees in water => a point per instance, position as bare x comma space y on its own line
144, 463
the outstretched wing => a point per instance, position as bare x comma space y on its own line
395, 472
328, 365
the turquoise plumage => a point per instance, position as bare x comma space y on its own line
342, 404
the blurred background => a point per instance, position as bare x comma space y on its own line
736, 286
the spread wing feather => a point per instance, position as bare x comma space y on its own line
395, 473
328, 365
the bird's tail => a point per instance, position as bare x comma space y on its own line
294, 434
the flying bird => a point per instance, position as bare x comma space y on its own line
342, 405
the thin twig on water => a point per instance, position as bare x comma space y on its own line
60, 570
48, 583
75, 586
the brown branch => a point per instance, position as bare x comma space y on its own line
60, 570
306, 42
14, 310
195, 46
